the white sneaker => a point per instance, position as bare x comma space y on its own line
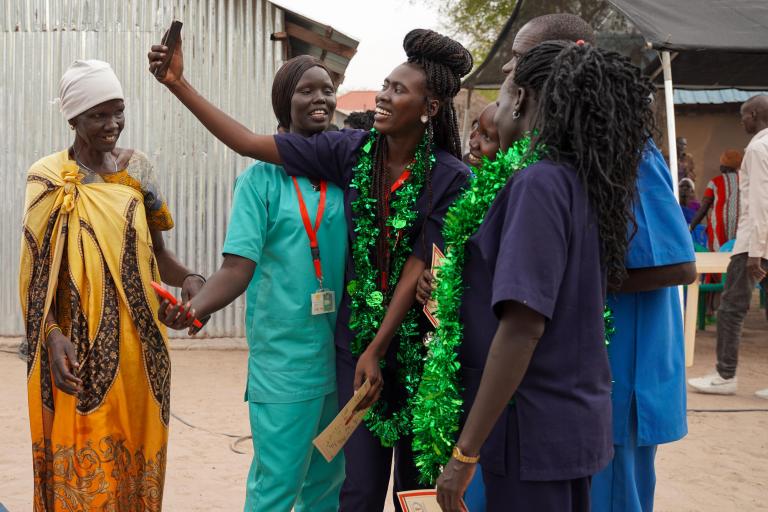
714, 384
762, 393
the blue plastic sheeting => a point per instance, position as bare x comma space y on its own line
715, 97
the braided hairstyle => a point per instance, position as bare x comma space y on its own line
444, 62
285, 82
594, 112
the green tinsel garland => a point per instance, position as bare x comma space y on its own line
437, 405
610, 328
368, 301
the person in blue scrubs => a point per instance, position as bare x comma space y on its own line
647, 351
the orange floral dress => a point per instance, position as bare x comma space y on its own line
87, 255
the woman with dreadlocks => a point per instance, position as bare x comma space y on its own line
572, 122
398, 182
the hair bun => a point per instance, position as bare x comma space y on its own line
427, 45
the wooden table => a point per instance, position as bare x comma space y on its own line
706, 263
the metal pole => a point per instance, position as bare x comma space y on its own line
467, 123
669, 100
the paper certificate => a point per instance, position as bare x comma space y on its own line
431, 306
424, 500
331, 440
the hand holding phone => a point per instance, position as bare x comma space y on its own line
165, 294
171, 40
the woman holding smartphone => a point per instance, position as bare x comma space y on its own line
398, 181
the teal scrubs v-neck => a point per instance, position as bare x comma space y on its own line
291, 352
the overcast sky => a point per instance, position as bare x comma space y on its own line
379, 26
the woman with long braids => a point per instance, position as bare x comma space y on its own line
398, 182
291, 389
534, 281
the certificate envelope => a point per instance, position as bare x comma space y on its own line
331, 440
424, 500
431, 306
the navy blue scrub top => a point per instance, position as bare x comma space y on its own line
332, 156
539, 246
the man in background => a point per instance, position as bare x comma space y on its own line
750, 253
721, 202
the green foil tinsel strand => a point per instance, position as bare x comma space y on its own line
437, 405
368, 302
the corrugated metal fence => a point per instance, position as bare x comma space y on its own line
228, 56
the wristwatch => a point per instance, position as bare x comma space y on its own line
466, 459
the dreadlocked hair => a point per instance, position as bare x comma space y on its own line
285, 82
381, 186
594, 112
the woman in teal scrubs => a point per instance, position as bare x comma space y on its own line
286, 243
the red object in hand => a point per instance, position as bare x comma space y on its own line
162, 292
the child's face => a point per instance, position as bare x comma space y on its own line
484, 141
686, 192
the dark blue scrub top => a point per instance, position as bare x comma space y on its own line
539, 246
332, 156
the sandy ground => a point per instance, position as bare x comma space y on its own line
721, 466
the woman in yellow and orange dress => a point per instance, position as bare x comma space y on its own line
98, 368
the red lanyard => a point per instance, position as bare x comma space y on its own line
312, 232
399, 181
396, 185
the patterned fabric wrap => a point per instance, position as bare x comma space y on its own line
140, 175
87, 255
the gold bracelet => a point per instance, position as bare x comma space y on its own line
50, 329
466, 459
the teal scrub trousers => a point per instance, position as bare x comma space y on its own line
287, 471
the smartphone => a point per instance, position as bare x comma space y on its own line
171, 39
162, 292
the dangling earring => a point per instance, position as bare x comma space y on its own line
428, 140
424, 118
516, 114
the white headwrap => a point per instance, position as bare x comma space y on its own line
86, 84
690, 183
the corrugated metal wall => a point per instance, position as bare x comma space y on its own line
228, 57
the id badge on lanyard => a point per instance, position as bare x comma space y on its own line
323, 301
